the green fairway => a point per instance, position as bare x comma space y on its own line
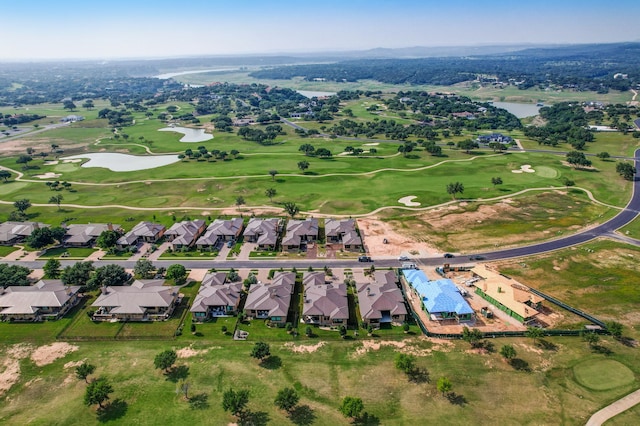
599, 374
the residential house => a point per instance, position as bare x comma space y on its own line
325, 304
216, 298
185, 233
343, 231
495, 137
271, 301
16, 232
220, 230
72, 118
264, 232
300, 232
381, 300
507, 294
441, 298
144, 300
86, 235
143, 232
46, 299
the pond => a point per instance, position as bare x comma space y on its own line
124, 162
311, 93
519, 110
190, 135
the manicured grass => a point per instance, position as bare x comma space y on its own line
5, 251
602, 374
73, 252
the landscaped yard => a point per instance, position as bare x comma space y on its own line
68, 252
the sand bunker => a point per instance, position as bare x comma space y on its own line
372, 144
408, 201
303, 349
51, 163
524, 169
73, 160
47, 354
48, 175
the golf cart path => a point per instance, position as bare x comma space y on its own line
614, 409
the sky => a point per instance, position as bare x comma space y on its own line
108, 29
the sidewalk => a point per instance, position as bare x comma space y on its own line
614, 409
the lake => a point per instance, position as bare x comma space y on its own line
314, 94
125, 162
179, 73
190, 135
519, 110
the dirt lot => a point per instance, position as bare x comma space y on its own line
374, 231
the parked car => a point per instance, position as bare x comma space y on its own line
403, 257
477, 257
448, 256
364, 259
230, 243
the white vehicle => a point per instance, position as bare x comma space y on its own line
403, 257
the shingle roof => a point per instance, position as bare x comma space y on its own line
335, 227
142, 229
437, 296
274, 297
220, 228
134, 299
185, 232
265, 229
329, 300
213, 292
382, 294
297, 228
28, 299
11, 230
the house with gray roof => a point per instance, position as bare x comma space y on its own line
143, 232
325, 304
220, 230
264, 232
16, 232
299, 233
85, 235
144, 300
271, 301
185, 233
216, 298
46, 299
343, 232
381, 300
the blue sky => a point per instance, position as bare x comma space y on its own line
43, 29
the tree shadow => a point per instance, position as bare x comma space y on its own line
545, 344
177, 372
199, 401
456, 399
520, 365
488, 346
599, 349
253, 418
419, 375
113, 411
302, 415
273, 362
628, 342
367, 419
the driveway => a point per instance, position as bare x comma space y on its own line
156, 254
246, 250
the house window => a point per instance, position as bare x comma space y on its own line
276, 318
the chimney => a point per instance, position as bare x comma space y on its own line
110, 226
104, 289
368, 291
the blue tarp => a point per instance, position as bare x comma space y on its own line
438, 296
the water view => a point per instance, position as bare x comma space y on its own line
124, 162
314, 94
190, 135
519, 110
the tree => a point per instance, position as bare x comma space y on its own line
468, 145
143, 269
52, 269
273, 174
286, 399
471, 336
5, 175
603, 155
591, 338
508, 352
88, 104
235, 401
405, 363
56, 199
24, 159
78, 274
291, 208
303, 165
534, 333
444, 385
234, 152
261, 351
270, 192
626, 170
97, 392
239, 201
107, 239
454, 188
22, 205
84, 370
177, 273
615, 328
496, 181
165, 359
69, 105
351, 407
578, 159
14, 275
107, 276
308, 149
40, 237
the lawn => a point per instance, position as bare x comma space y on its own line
5, 251
68, 253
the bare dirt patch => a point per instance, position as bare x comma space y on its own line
374, 232
49, 353
10, 366
373, 345
300, 349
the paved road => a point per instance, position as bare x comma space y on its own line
614, 409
